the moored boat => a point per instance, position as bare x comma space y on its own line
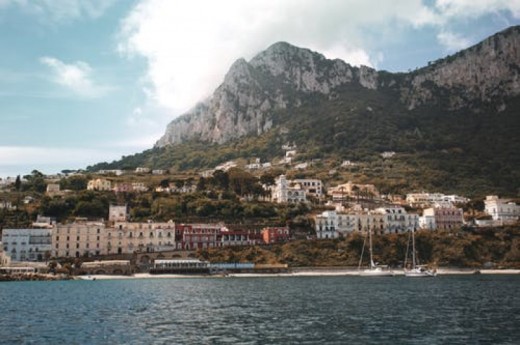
417, 271
373, 270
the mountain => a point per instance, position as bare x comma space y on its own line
453, 123
276, 79
283, 76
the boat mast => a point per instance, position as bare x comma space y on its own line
413, 248
372, 265
362, 251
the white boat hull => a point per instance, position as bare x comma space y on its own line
376, 272
420, 273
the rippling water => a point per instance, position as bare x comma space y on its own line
292, 310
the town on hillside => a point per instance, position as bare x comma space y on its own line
113, 215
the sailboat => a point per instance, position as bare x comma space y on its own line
374, 270
417, 271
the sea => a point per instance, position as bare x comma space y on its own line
465, 309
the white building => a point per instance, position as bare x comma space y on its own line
116, 172
142, 170
397, 220
139, 187
117, 213
43, 222
283, 192
301, 166
347, 163
159, 172
226, 166
427, 222
388, 154
326, 225
27, 244
254, 166
502, 209
332, 224
430, 199
5, 259
99, 185
53, 189
311, 186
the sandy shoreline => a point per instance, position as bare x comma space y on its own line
296, 273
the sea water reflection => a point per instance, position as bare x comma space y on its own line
288, 310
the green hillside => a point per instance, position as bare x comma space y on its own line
464, 151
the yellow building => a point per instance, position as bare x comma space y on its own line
353, 190
126, 237
81, 238
99, 184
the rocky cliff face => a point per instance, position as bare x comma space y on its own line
283, 75
488, 72
275, 79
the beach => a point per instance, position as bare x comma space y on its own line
307, 272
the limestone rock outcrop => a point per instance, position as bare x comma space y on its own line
283, 75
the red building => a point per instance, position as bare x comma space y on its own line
239, 238
198, 236
275, 235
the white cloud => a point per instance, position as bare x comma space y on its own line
189, 45
449, 11
75, 76
476, 8
59, 11
452, 41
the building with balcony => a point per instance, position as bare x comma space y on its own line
80, 238
99, 185
503, 210
444, 218
199, 236
129, 237
275, 235
27, 244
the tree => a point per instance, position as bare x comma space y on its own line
91, 209
221, 179
35, 182
76, 183
18, 183
201, 184
165, 183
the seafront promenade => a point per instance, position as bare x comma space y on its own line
298, 272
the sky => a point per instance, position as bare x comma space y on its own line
87, 81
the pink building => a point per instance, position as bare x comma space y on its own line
446, 218
275, 235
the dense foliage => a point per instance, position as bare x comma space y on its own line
466, 151
464, 248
